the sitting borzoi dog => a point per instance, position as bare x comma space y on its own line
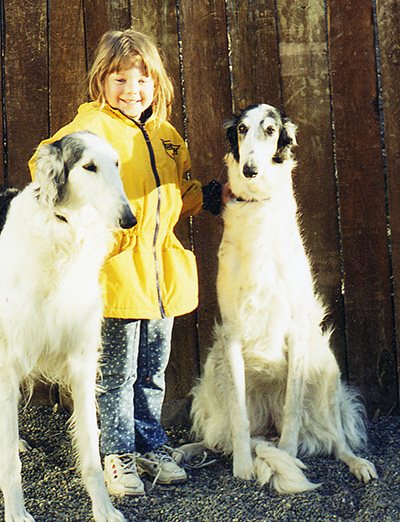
53, 244
271, 365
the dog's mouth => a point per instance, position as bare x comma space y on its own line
249, 171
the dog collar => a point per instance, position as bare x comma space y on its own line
251, 200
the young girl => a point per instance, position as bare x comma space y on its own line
148, 277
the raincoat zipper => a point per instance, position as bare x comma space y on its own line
158, 184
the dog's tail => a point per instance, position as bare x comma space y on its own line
283, 472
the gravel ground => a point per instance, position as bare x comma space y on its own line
53, 491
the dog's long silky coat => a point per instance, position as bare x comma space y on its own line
54, 241
271, 366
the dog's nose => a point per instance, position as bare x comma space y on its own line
127, 220
249, 171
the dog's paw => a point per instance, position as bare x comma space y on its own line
288, 447
24, 517
188, 452
110, 515
23, 446
363, 470
243, 467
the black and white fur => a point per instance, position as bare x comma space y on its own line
271, 366
53, 244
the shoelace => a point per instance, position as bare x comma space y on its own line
128, 463
163, 455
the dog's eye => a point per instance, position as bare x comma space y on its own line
270, 130
117, 163
242, 129
90, 166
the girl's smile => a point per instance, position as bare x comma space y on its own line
129, 90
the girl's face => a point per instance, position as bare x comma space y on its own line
129, 90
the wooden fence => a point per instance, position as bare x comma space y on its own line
333, 66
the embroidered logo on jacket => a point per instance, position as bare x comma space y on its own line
170, 148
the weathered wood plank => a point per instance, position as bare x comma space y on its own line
306, 98
254, 53
388, 19
101, 16
26, 85
67, 62
362, 203
2, 113
208, 105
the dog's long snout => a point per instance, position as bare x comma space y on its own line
127, 219
249, 170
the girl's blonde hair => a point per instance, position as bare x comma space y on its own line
117, 51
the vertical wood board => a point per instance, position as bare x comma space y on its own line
67, 62
362, 203
2, 114
388, 20
26, 84
306, 96
254, 53
97, 20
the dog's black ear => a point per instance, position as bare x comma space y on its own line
51, 174
232, 137
287, 138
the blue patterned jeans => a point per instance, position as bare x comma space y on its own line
132, 384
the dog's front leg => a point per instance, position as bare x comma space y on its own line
243, 466
86, 439
295, 390
10, 466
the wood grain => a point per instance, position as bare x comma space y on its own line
361, 186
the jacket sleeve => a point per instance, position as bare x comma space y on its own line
192, 198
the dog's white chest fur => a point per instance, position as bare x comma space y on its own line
262, 266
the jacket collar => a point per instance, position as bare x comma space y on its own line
144, 118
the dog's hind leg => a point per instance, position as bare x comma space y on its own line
10, 466
350, 431
87, 445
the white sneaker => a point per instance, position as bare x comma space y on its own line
160, 465
121, 475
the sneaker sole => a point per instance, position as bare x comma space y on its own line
173, 482
126, 493
170, 482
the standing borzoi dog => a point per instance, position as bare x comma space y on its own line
53, 244
271, 365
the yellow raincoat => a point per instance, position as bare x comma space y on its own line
148, 274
